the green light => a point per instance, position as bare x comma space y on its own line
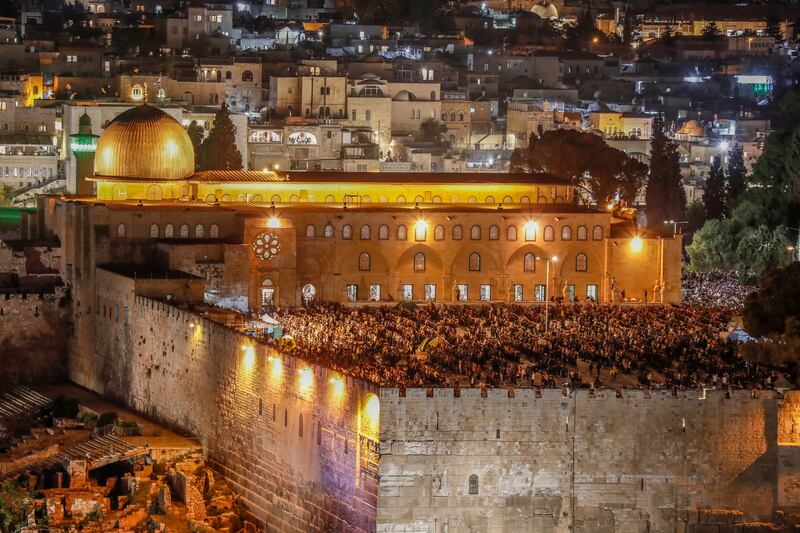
82, 147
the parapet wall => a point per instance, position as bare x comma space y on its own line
33, 338
545, 461
291, 442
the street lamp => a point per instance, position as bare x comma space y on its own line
547, 292
675, 224
795, 248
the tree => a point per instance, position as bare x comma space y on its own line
695, 216
518, 161
431, 129
761, 250
714, 191
737, 174
773, 28
766, 311
218, 151
710, 31
668, 37
714, 246
195, 132
665, 197
15, 503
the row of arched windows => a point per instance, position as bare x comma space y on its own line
169, 231
474, 262
457, 232
401, 199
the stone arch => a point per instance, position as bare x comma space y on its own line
433, 262
490, 266
514, 264
154, 192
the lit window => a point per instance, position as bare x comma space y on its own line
419, 262
474, 262
494, 233
311, 231
597, 233
566, 233
581, 263
402, 232
214, 231
365, 232
184, 232
511, 233
486, 292
347, 232
548, 233
153, 231
475, 233
199, 231
529, 263
581, 233
364, 262
169, 231
383, 232
438, 232
122, 231
458, 233
329, 230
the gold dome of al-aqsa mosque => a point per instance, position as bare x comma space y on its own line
144, 142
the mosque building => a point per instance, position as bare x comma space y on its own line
284, 238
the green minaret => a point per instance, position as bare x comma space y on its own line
83, 145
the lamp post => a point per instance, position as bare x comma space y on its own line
675, 224
547, 293
796, 247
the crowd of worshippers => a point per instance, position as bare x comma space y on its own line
716, 288
580, 346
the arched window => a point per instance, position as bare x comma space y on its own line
475, 233
436, 199
529, 263
383, 232
566, 233
458, 232
330, 199
154, 231
597, 233
581, 233
328, 232
419, 262
311, 231
524, 200
213, 232
511, 233
347, 232
508, 200
364, 262
494, 233
169, 231
402, 232
184, 231
581, 263
472, 200
247, 76
401, 199
420, 231
473, 484
276, 198
365, 232
490, 199
474, 262
530, 231
226, 197
199, 231
366, 199
419, 199
438, 232
257, 199
549, 233
122, 231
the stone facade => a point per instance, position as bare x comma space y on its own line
584, 462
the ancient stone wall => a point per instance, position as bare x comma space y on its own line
288, 436
33, 338
599, 463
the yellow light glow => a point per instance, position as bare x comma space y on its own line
249, 357
610, 206
637, 244
274, 222
337, 385
277, 366
530, 226
554, 258
372, 415
306, 379
420, 225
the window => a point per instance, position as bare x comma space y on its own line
566, 233
473, 484
419, 199
383, 232
494, 233
153, 231
311, 231
402, 232
328, 232
591, 292
539, 292
401, 199
365, 232
419, 262
462, 292
122, 231
330, 199
458, 233
199, 231
475, 233
364, 262
490, 199
352, 292
474, 262
511, 233
420, 231
581, 236
517, 292
169, 231
407, 292
430, 292
438, 232
581, 263
549, 233
486, 292
347, 232
597, 233
529, 263
375, 293
530, 231
214, 231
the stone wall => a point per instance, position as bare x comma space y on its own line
291, 442
581, 463
33, 338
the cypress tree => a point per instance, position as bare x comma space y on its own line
714, 191
196, 136
665, 197
737, 174
218, 151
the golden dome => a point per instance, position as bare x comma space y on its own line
692, 128
144, 143
545, 10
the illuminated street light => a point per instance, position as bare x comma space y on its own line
637, 244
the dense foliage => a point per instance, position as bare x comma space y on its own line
218, 151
